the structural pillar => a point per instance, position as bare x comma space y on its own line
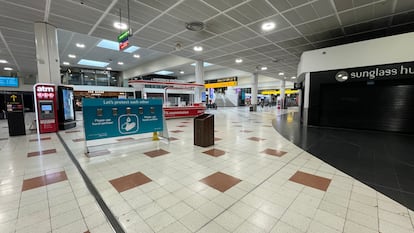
255, 85
282, 94
199, 76
47, 53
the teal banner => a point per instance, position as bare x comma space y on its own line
105, 118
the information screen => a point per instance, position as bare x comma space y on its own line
68, 110
46, 107
9, 81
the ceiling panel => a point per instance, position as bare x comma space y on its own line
15, 11
38, 4
152, 34
239, 34
138, 12
190, 10
230, 48
254, 42
280, 22
69, 24
280, 5
342, 5
160, 5
323, 8
101, 5
83, 13
223, 5
196, 36
252, 11
216, 42
221, 24
404, 5
169, 24
282, 35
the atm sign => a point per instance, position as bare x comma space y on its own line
45, 92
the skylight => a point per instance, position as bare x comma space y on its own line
163, 72
86, 62
107, 44
205, 64
131, 49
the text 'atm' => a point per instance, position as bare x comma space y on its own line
46, 108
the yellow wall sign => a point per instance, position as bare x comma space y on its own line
222, 84
277, 92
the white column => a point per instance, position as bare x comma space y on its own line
47, 53
255, 84
199, 76
282, 93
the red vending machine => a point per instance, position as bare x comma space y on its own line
46, 107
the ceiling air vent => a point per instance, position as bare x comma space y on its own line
194, 26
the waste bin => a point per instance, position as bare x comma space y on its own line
204, 130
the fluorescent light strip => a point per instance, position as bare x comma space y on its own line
107, 44
86, 62
205, 64
131, 49
163, 72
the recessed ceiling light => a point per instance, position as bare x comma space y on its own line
3, 61
120, 63
264, 68
267, 26
131, 49
121, 26
293, 77
239, 60
108, 68
281, 73
198, 48
205, 64
79, 45
66, 63
72, 56
137, 56
181, 71
8, 68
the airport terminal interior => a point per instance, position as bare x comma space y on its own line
207, 116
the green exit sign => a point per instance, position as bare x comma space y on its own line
123, 36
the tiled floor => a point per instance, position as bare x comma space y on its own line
260, 182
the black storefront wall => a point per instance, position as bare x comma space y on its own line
371, 98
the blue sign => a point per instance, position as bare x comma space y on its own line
9, 81
105, 118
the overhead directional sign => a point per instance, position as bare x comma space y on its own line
123, 40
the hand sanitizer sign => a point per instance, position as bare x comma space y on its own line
104, 118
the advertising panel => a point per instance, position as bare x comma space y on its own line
105, 118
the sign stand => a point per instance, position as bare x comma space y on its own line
106, 119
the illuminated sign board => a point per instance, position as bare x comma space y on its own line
277, 92
9, 81
123, 40
220, 84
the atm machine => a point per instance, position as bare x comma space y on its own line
46, 107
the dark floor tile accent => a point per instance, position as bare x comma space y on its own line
181, 126
129, 181
256, 139
246, 131
310, 180
273, 152
43, 152
215, 152
156, 153
44, 180
78, 140
125, 139
72, 131
3, 139
220, 181
185, 122
41, 139
176, 131
173, 139
217, 139
97, 153
86, 232
381, 160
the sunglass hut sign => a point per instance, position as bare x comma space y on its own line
387, 71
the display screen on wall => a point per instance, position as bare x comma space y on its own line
9, 81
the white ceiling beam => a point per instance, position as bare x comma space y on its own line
47, 10
10, 52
